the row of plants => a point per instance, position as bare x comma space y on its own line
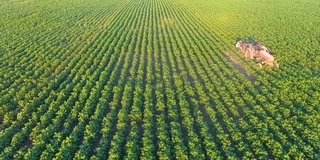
149, 80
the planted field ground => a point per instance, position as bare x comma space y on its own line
157, 79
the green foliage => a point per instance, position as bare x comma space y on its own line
150, 79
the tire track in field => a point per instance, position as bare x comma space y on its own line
252, 93
207, 73
224, 44
199, 58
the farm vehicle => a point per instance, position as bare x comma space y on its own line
260, 54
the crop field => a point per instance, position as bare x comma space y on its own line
158, 79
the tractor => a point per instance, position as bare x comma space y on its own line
260, 54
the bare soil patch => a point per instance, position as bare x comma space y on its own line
238, 67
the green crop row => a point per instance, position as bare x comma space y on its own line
157, 79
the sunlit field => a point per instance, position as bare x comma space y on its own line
158, 79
